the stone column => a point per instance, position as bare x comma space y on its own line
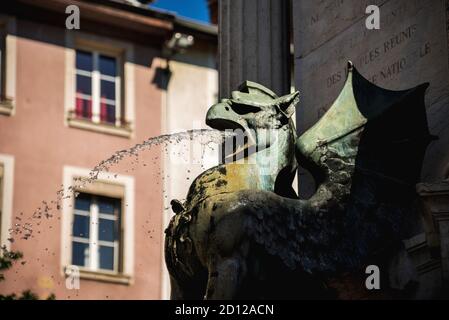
254, 44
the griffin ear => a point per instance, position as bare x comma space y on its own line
288, 103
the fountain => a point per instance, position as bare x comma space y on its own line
243, 233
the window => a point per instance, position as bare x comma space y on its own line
1, 198
96, 233
7, 64
6, 197
98, 226
99, 84
2, 61
98, 87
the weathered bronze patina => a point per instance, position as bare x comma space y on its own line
242, 232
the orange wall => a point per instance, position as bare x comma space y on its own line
41, 144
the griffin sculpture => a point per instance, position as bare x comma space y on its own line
242, 231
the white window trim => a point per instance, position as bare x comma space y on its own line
126, 276
8, 106
7, 162
124, 52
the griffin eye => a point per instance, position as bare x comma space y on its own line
244, 108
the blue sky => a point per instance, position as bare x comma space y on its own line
193, 9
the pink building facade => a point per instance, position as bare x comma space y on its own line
70, 99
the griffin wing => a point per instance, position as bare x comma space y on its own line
366, 155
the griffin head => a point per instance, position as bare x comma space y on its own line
254, 112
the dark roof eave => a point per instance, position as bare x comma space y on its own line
142, 10
193, 26
129, 17
142, 19
211, 30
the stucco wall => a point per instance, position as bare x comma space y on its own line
192, 89
42, 144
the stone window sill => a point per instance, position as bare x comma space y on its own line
6, 107
99, 127
104, 276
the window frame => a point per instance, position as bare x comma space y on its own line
94, 242
108, 184
8, 64
124, 53
6, 195
3, 65
1, 196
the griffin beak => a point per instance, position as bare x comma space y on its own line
221, 117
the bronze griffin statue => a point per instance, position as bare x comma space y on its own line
242, 231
